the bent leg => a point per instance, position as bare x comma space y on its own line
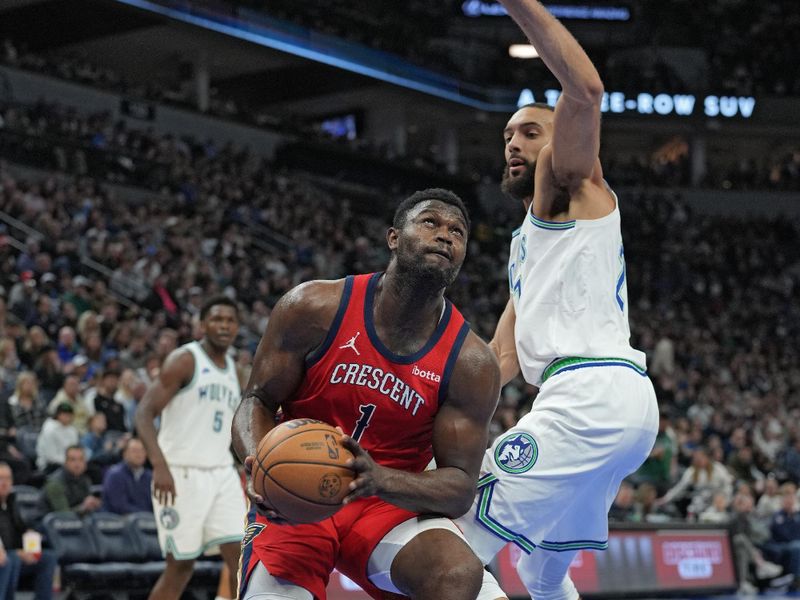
546, 575
437, 564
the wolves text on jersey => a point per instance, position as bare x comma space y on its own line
375, 378
218, 392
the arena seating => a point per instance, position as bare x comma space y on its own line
100, 552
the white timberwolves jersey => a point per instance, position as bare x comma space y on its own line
569, 291
196, 424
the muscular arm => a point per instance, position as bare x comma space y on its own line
459, 441
298, 324
576, 123
504, 346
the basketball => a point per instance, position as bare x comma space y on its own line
300, 470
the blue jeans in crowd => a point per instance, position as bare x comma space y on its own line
43, 571
786, 554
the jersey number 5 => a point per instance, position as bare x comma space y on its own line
366, 411
218, 421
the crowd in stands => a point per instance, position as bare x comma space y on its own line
712, 303
748, 52
112, 150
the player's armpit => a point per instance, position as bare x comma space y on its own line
504, 346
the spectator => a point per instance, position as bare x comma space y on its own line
27, 408
12, 527
788, 460
58, 433
746, 536
102, 447
743, 468
701, 481
69, 488
130, 392
67, 344
50, 371
105, 402
770, 501
10, 364
784, 543
657, 468
646, 508
79, 295
35, 343
70, 393
127, 485
718, 511
623, 507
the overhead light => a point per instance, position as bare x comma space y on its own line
522, 51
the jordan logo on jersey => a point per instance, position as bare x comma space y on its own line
351, 343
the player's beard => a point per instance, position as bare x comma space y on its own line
521, 186
424, 275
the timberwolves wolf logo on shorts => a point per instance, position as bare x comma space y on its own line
169, 517
516, 453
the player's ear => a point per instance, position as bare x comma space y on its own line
391, 238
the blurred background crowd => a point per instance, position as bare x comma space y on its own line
113, 231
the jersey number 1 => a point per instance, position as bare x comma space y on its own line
366, 411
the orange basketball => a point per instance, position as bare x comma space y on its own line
300, 470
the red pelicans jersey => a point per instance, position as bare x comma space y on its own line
385, 401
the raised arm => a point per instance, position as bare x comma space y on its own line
459, 440
576, 124
504, 346
176, 372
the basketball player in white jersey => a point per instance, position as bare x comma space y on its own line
547, 484
199, 497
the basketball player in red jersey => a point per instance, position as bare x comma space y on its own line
390, 361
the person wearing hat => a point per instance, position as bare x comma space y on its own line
58, 433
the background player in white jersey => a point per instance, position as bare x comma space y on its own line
548, 482
199, 497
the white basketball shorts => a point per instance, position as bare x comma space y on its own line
208, 511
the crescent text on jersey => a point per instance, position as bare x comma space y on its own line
375, 378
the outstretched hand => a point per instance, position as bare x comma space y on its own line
258, 500
370, 476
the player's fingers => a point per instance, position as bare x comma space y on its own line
340, 430
352, 445
248, 464
359, 464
